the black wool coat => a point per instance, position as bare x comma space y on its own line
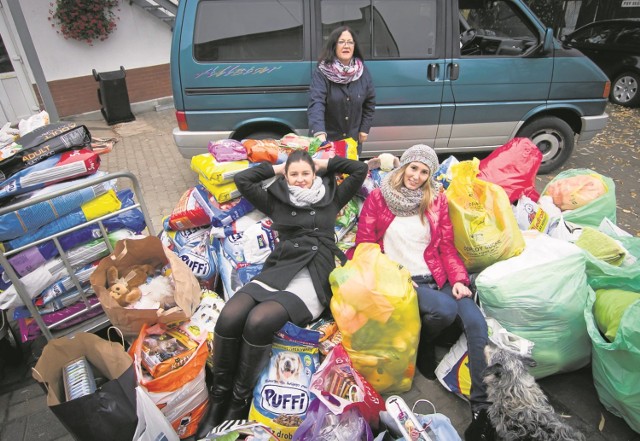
307, 235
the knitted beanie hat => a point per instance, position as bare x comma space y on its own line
421, 153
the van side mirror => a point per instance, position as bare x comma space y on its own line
547, 45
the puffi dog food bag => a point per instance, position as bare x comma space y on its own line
281, 397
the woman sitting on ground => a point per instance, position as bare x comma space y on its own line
409, 219
294, 282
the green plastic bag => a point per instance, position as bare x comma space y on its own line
540, 295
616, 373
603, 275
592, 213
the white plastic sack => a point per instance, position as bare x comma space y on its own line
152, 424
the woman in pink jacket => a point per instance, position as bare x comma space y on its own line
409, 219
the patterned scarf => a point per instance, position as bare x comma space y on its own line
303, 197
402, 203
341, 74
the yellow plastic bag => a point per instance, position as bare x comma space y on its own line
376, 309
101, 206
484, 226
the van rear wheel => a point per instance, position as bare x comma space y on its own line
264, 135
554, 138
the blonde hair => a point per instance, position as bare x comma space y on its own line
428, 192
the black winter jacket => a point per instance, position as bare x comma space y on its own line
307, 235
341, 110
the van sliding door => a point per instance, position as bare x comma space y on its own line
246, 61
403, 46
498, 75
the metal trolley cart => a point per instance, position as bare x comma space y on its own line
99, 321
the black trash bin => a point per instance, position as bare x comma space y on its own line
113, 96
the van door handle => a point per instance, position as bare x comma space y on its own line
454, 71
432, 72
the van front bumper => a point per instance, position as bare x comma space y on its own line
591, 125
195, 143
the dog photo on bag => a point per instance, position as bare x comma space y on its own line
520, 411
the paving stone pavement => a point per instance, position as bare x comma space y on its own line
146, 148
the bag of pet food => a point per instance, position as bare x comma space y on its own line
584, 196
241, 256
201, 258
221, 214
222, 192
188, 213
485, 229
453, 370
340, 387
259, 150
227, 150
281, 397
41, 143
239, 225
180, 393
217, 172
57, 168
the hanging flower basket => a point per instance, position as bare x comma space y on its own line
84, 20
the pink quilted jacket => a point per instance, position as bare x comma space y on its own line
440, 255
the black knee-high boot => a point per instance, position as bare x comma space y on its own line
426, 360
225, 360
252, 360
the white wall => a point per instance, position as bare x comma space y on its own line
139, 40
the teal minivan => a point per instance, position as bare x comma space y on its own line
459, 75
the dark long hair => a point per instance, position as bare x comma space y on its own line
328, 54
299, 155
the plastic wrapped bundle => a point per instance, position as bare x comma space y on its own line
540, 295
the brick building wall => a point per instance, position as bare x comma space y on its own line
79, 95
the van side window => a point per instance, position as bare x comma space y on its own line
248, 30
495, 28
386, 29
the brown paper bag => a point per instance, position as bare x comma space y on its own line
105, 415
149, 250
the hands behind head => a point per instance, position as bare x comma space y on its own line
460, 291
321, 164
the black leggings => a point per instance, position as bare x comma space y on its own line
255, 321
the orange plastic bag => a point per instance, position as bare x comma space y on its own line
181, 394
576, 191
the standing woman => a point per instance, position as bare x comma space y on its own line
409, 219
294, 282
342, 97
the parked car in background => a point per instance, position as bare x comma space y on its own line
614, 45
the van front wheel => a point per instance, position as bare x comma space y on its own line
554, 138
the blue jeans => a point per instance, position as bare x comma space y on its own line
439, 310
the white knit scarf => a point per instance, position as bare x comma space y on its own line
303, 197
